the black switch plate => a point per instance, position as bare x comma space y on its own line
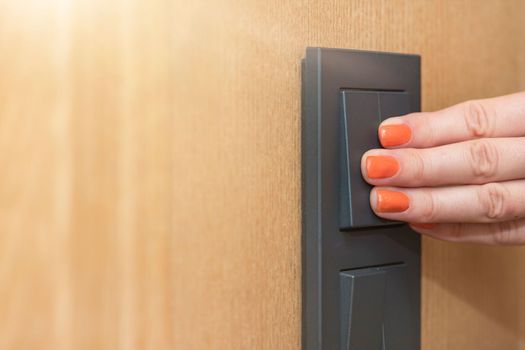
329, 248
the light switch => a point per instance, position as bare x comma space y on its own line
361, 113
371, 308
362, 309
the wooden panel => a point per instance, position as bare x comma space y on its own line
237, 170
85, 191
150, 155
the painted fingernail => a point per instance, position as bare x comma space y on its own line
380, 167
394, 135
391, 201
424, 226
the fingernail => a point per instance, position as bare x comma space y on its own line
380, 167
394, 135
391, 201
424, 226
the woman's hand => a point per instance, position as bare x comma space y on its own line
457, 174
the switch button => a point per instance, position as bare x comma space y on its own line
361, 113
362, 298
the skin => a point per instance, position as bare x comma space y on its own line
463, 169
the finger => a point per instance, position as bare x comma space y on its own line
494, 117
493, 202
500, 233
469, 162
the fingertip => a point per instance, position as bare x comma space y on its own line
373, 199
381, 167
391, 201
364, 164
394, 134
364, 157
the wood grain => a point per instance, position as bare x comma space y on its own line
238, 175
86, 185
150, 156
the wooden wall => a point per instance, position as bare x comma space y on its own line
150, 156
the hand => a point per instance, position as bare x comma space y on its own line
457, 174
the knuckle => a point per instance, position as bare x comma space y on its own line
418, 165
484, 159
505, 232
429, 209
478, 119
494, 200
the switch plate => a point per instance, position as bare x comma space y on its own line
329, 248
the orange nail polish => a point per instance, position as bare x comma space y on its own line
394, 135
424, 226
380, 167
391, 201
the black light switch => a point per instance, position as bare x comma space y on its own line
374, 301
362, 309
361, 114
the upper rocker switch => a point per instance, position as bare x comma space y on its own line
361, 113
